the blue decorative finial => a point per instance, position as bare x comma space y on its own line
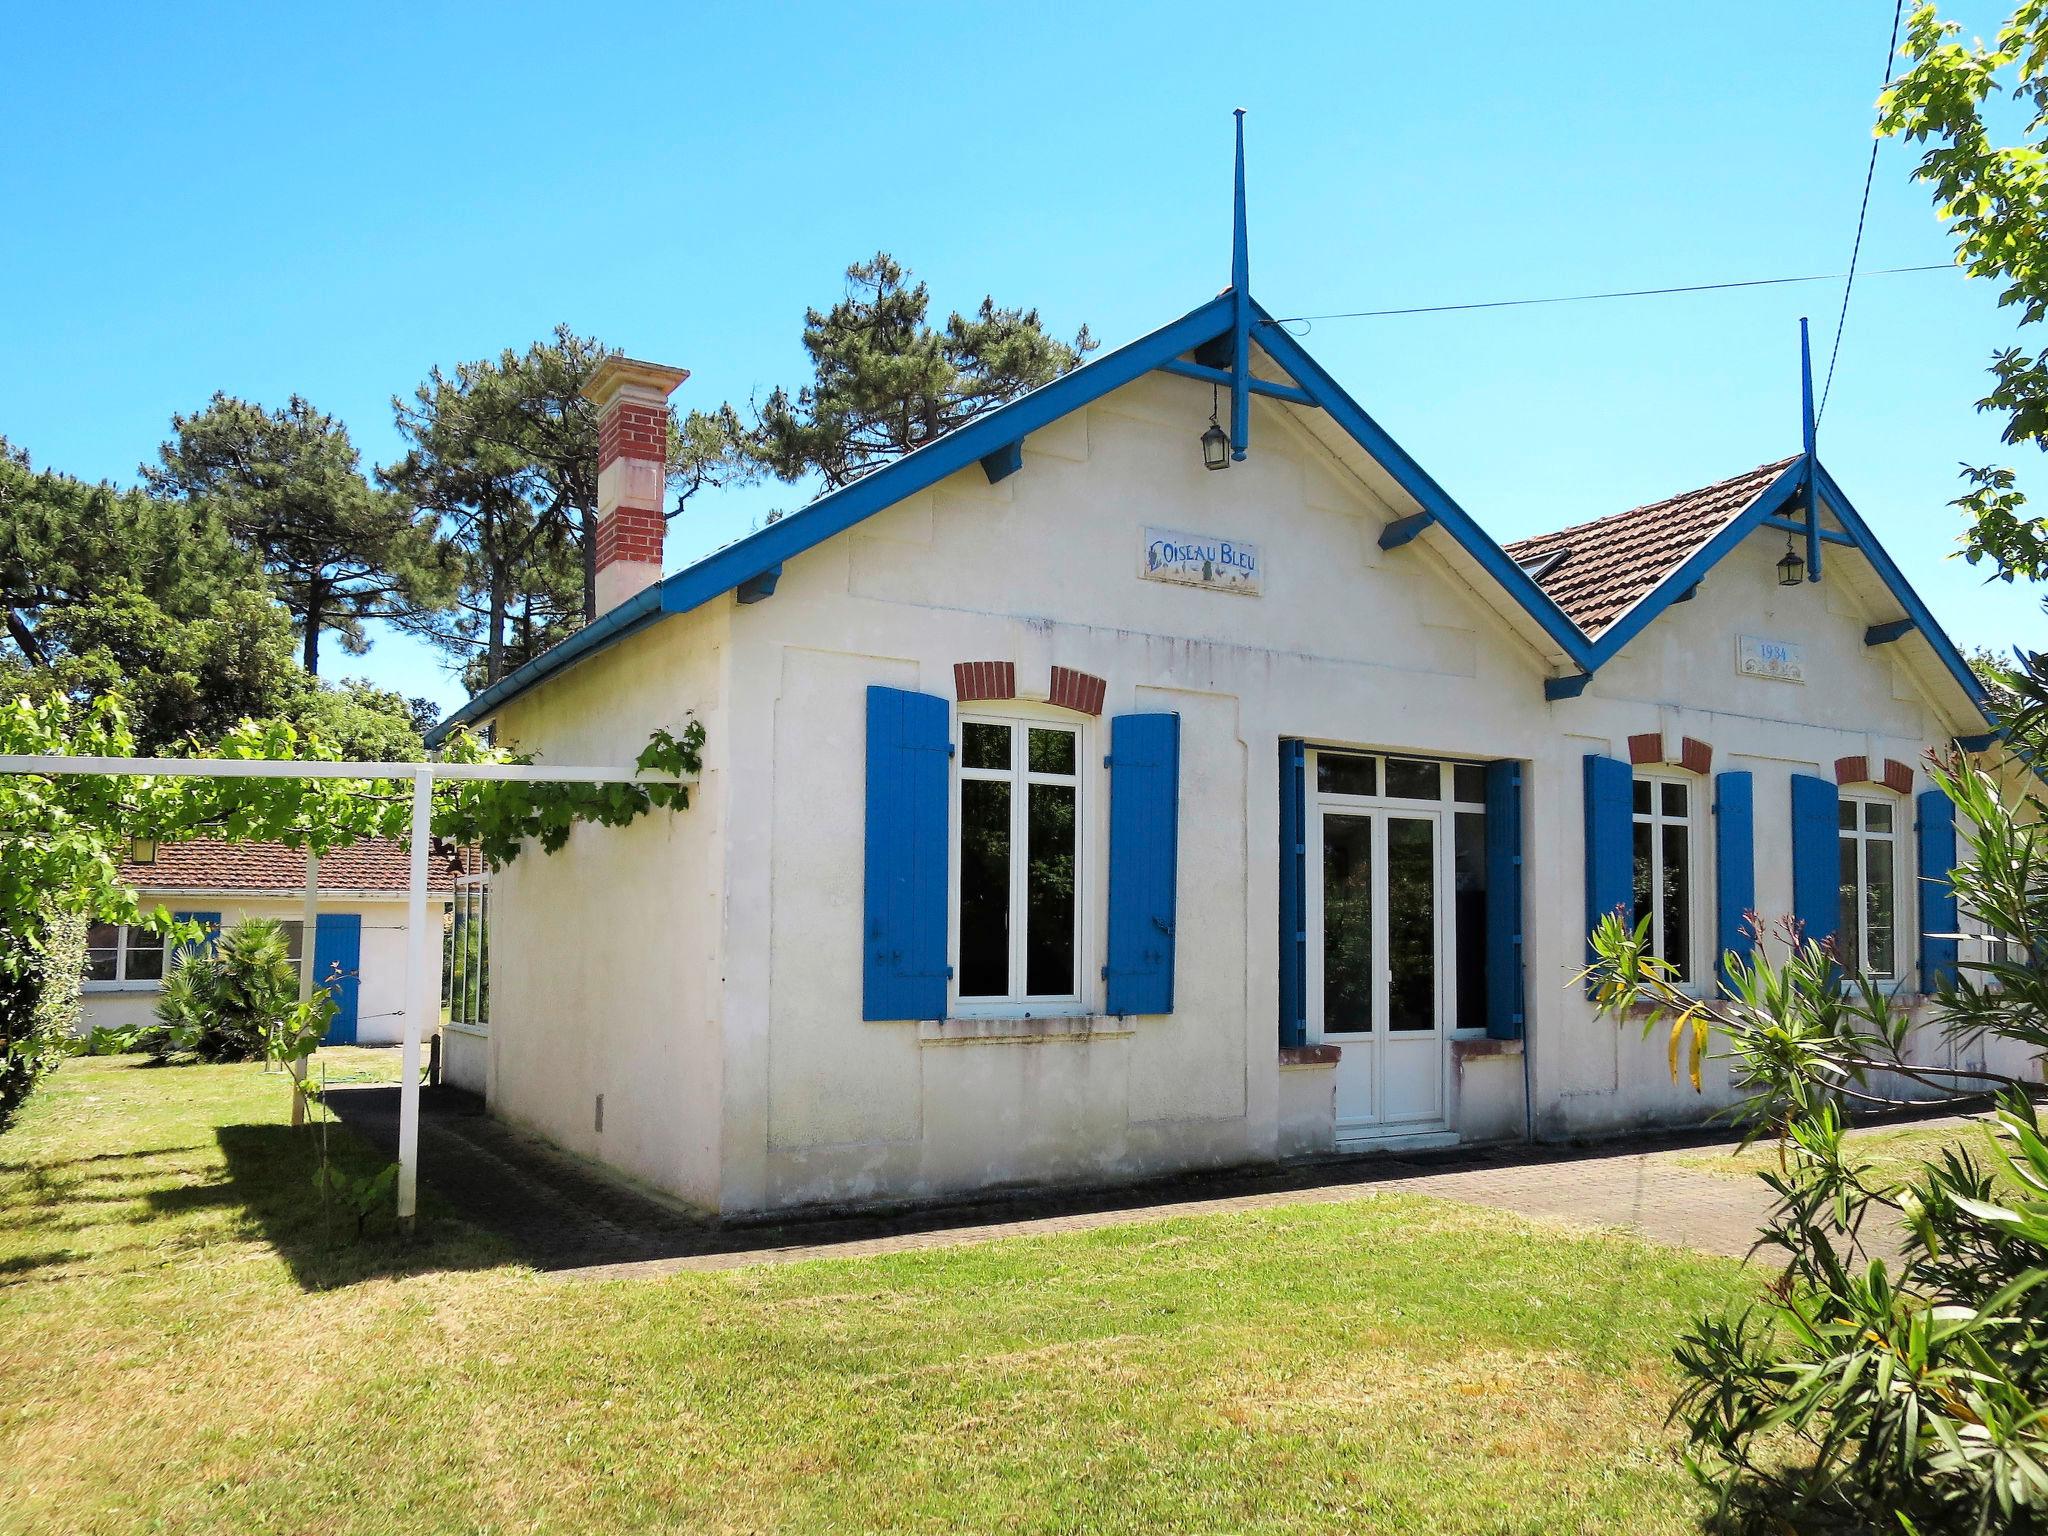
1241, 312
1806, 432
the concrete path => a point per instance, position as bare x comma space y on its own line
562, 1214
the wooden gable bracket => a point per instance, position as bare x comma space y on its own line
1885, 634
1555, 688
1004, 462
754, 588
1405, 530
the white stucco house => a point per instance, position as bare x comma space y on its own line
1075, 809
359, 925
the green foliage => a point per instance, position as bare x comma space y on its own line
361, 722
1994, 197
1860, 1393
289, 486
105, 1040
885, 382
66, 542
40, 972
236, 999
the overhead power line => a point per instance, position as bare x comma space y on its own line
1862, 212
1618, 293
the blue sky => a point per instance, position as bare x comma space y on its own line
332, 199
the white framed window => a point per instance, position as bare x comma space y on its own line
1018, 856
123, 955
1667, 869
1869, 840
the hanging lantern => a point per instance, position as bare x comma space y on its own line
1791, 569
1215, 441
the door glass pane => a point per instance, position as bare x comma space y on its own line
1848, 907
1845, 815
1049, 898
1677, 899
1409, 780
145, 955
1672, 798
102, 948
1645, 872
1877, 855
1469, 850
1468, 783
1877, 816
294, 938
985, 886
1411, 923
1642, 797
1340, 774
985, 746
1347, 925
1052, 751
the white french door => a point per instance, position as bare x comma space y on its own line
1377, 961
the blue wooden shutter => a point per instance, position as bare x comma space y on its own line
1293, 893
337, 966
903, 973
1734, 867
1610, 841
1816, 857
1939, 917
208, 920
1504, 900
1144, 861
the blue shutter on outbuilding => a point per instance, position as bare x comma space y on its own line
1610, 841
1504, 900
210, 921
1144, 862
1734, 867
337, 966
1816, 857
1293, 893
903, 970
1940, 919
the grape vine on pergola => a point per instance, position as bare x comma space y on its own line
422, 777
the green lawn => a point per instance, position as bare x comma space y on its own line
1891, 1156
180, 1352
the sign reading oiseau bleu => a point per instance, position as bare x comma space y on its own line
1201, 560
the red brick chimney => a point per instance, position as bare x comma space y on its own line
632, 447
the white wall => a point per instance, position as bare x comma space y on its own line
380, 999
604, 956
782, 1094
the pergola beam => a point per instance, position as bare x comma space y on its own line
421, 776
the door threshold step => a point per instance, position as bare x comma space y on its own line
1401, 1141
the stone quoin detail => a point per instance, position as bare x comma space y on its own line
1895, 775
1078, 691
632, 446
976, 680
1694, 755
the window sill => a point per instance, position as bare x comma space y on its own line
480, 1031
1057, 1026
106, 988
1473, 1047
1296, 1057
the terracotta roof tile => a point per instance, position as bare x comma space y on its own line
1612, 563
204, 863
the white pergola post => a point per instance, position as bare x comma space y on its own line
309, 926
417, 1001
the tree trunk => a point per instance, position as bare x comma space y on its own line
494, 657
316, 616
588, 517
25, 637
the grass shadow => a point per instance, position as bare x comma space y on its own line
268, 1187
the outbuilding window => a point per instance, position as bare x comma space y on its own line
1666, 867
120, 953
1869, 841
1019, 830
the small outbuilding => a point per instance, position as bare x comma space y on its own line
1163, 771
358, 943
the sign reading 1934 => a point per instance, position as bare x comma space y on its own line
1201, 560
